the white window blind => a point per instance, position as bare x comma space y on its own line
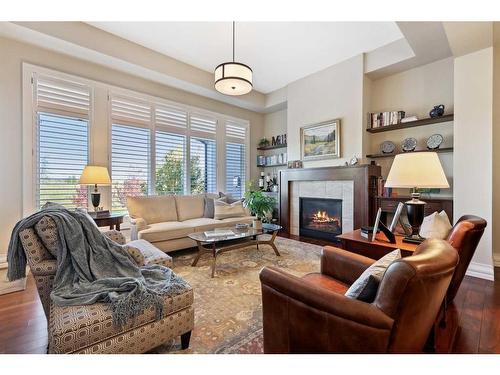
236, 134
170, 117
57, 95
63, 146
203, 124
170, 163
130, 163
203, 165
130, 111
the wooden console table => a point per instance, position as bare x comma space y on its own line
355, 243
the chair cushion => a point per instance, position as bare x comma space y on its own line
225, 210
366, 286
75, 327
150, 253
190, 206
153, 209
47, 231
326, 282
165, 231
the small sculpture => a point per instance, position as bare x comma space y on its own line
437, 111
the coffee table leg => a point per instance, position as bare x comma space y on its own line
214, 254
271, 243
201, 251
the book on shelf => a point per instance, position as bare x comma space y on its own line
381, 119
383, 191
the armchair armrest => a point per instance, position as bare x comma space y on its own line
301, 317
343, 265
136, 225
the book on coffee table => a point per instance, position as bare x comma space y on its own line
218, 233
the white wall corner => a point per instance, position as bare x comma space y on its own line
480, 270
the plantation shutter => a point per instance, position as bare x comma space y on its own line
62, 140
236, 134
130, 111
203, 124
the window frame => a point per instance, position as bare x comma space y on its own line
30, 141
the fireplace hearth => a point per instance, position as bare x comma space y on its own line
320, 218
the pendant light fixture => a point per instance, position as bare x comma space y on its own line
233, 78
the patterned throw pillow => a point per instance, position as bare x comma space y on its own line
366, 286
47, 231
136, 255
223, 210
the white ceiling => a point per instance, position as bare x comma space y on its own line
278, 52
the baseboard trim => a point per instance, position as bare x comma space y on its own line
480, 270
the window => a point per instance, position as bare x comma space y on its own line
203, 165
62, 153
170, 163
62, 140
130, 151
203, 154
235, 158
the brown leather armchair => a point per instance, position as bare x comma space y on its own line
464, 237
312, 315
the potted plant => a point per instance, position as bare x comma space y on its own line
264, 142
260, 205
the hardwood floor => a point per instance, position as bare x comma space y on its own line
473, 318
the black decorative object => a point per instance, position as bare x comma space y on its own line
437, 111
96, 198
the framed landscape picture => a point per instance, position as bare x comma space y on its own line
320, 141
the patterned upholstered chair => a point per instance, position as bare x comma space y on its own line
89, 328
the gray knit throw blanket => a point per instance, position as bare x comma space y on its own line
92, 268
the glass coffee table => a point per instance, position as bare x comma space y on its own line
220, 240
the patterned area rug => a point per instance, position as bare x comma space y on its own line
228, 308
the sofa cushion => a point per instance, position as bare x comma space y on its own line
150, 253
190, 206
225, 210
209, 208
202, 224
75, 327
153, 209
230, 221
165, 231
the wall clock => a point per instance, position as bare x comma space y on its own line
434, 141
409, 144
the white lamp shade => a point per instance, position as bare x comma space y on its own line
417, 169
233, 78
93, 174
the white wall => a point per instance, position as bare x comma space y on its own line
11, 145
275, 123
335, 92
472, 165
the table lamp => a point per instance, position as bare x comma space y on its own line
416, 170
94, 175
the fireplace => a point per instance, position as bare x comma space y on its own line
320, 218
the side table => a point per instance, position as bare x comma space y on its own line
113, 220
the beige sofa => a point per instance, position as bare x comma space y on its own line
167, 220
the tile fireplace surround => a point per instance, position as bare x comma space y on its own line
322, 189
355, 185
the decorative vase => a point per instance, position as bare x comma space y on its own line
437, 111
257, 224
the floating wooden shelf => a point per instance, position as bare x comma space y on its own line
412, 124
270, 165
439, 150
264, 148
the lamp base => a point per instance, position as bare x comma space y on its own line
414, 239
96, 199
415, 209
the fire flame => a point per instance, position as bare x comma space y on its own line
323, 217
